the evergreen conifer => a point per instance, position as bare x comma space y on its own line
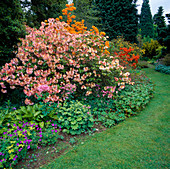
118, 18
146, 22
11, 28
159, 20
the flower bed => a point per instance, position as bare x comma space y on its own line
55, 65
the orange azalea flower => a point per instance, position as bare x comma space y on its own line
107, 44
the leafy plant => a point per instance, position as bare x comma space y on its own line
166, 60
38, 114
74, 117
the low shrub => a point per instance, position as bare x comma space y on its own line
162, 68
118, 43
166, 60
127, 53
143, 64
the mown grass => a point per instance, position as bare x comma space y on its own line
139, 142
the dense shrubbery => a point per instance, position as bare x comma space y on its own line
153, 50
55, 65
118, 43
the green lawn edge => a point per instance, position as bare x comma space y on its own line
139, 142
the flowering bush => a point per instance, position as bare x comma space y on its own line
127, 53
59, 59
118, 43
126, 58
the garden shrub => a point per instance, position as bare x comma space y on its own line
57, 60
118, 43
126, 52
152, 48
143, 64
162, 68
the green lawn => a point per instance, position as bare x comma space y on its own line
139, 142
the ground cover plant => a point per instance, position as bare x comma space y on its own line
54, 66
162, 68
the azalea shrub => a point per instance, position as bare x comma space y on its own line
126, 52
120, 42
60, 59
127, 58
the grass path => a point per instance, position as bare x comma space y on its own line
140, 142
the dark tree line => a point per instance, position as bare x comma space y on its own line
115, 17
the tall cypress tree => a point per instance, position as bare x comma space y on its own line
11, 28
118, 18
146, 22
159, 20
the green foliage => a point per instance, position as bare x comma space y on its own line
127, 103
40, 10
11, 29
16, 98
152, 48
162, 68
166, 40
146, 22
72, 140
118, 18
143, 64
37, 114
74, 117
